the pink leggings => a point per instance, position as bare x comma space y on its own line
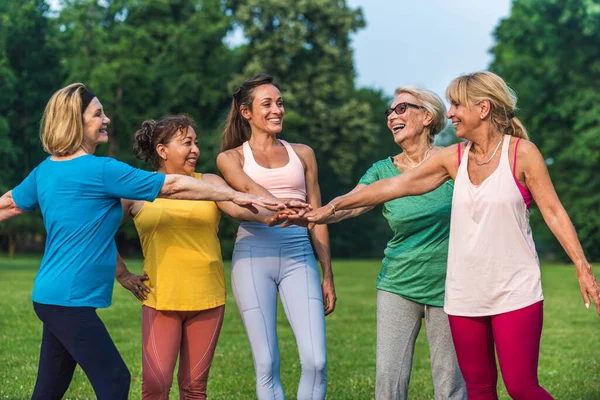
166, 334
516, 335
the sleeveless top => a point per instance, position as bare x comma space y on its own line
286, 182
182, 254
493, 266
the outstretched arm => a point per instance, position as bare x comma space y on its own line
8, 208
234, 210
189, 188
433, 173
538, 182
299, 219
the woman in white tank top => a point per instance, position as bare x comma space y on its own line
493, 288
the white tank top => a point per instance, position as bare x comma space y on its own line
493, 267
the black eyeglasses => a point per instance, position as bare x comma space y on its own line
401, 108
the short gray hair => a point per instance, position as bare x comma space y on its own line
432, 103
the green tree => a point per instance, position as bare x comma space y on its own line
306, 47
147, 59
29, 73
548, 51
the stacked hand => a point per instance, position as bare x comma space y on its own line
295, 212
320, 214
251, 201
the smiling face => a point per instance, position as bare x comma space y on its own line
411, 124
466, 118
180, 155
95, 124
266, 114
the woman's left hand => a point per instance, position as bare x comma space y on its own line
588, 284
329, 297
135, 284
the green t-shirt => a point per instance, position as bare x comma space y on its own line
415, 260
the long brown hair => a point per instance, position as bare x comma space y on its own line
486, 85
237, 129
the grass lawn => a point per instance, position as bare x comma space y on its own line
569, 360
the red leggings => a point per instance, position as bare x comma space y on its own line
516, 335
166, 334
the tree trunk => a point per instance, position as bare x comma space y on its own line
12, 243
114, 144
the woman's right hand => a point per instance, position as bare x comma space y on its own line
320, 214
251, 201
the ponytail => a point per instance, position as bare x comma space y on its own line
517, 129
237, 129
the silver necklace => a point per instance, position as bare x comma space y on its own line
424, 158
493, 154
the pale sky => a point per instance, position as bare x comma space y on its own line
424, 42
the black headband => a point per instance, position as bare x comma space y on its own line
86, 99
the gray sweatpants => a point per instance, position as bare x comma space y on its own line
398, 325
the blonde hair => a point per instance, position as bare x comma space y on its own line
478, 86
61, 128
432, 103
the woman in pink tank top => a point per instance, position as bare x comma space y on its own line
493, 287
271, 261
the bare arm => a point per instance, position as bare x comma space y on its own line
8, 208
229, 164
320, 233
345, 214
439, 168
429, 176
189, 188
234, 210
538, 182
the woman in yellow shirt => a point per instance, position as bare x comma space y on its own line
184, 293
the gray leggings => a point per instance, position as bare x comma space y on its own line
398, 325
265, 261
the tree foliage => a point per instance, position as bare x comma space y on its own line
549, 52
149, 58
29, 74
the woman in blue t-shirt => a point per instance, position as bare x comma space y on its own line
79, 195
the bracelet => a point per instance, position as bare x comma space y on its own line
333, 208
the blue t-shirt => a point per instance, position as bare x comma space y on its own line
80, 200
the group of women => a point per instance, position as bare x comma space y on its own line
461, 258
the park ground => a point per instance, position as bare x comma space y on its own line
569, 360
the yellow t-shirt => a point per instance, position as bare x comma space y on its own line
182, 254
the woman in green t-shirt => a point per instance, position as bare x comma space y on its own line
411, 282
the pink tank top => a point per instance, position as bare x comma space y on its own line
493, 266
287, 182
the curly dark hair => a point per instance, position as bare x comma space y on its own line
153, 133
